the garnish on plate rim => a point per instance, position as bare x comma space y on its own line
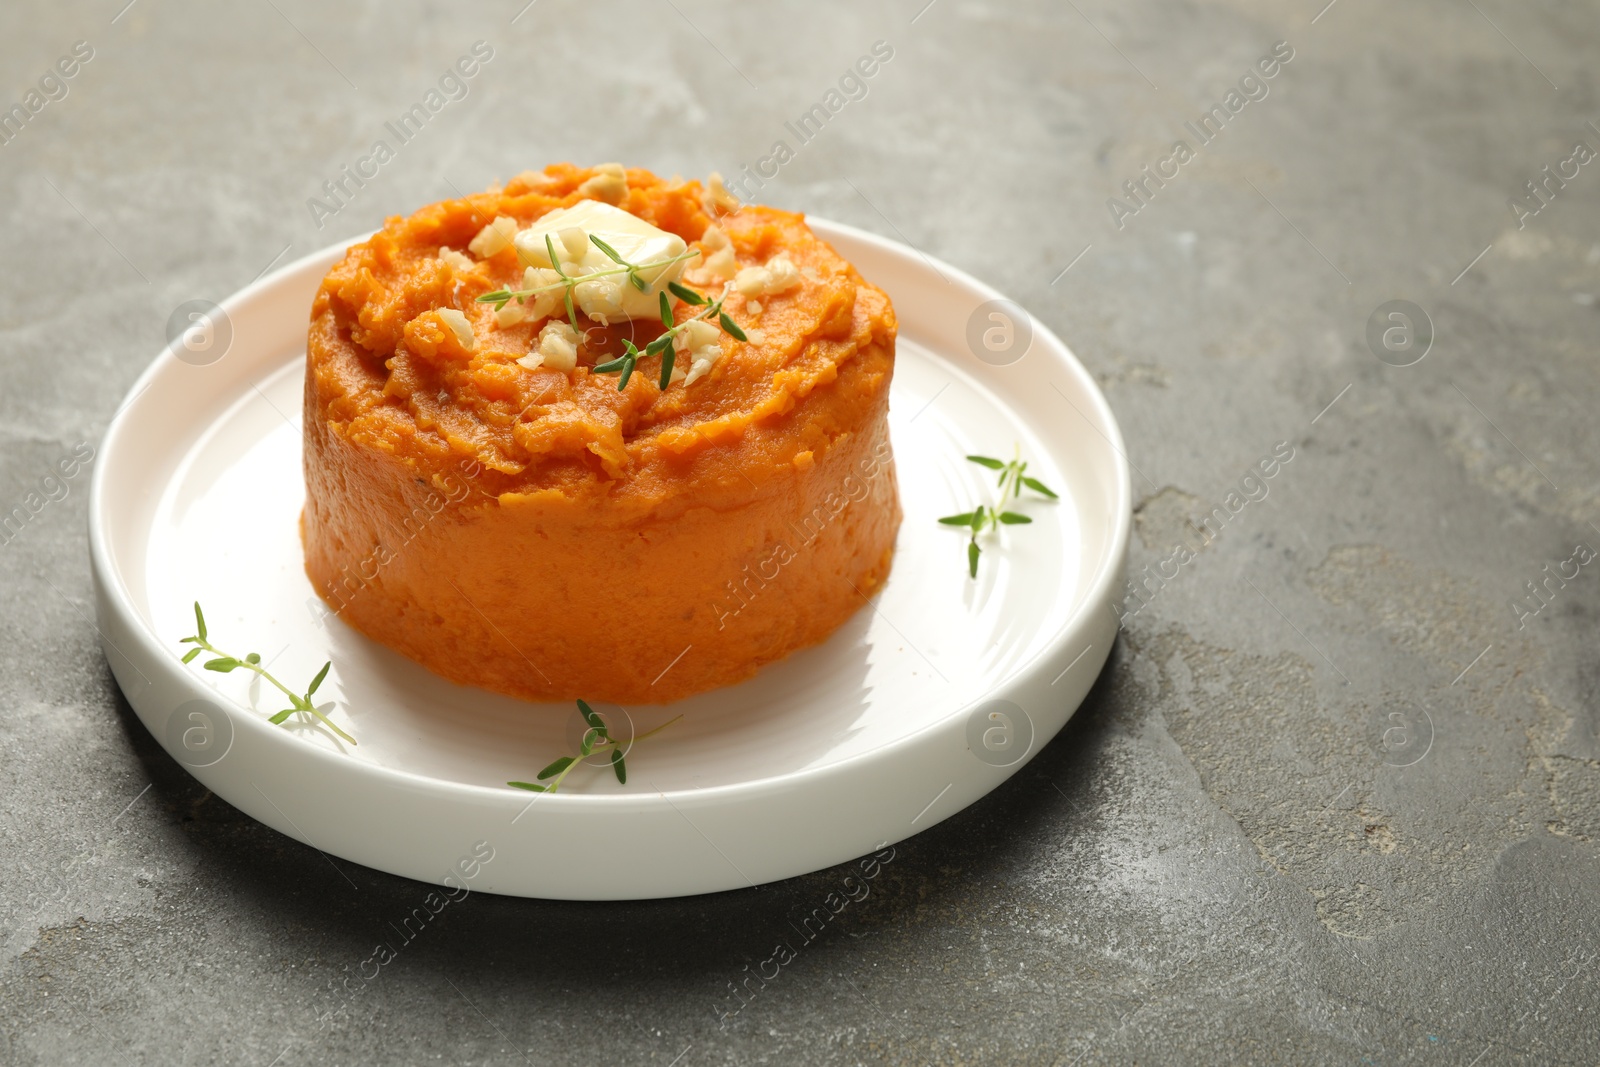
596, 738
225, 664
1012, 480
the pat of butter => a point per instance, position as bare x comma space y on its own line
611, 297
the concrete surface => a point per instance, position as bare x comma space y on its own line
1335, 798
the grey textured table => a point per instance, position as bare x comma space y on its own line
1336, 795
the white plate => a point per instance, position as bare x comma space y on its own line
886, 729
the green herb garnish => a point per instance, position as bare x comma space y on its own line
224, 664
596, 738
662, 345
624, 364
501, 297
1012, 481
555, 265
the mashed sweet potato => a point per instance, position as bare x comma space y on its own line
540, 532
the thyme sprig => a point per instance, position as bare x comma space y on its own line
224, 664
569, 282
1013, 478
662, 345
634, 278
596, 739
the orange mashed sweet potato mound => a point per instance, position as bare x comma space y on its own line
541, 533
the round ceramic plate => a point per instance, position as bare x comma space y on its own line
931, 696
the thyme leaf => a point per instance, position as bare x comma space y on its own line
223, 663
983, 518
596, 739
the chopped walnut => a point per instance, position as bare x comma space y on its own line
494, 238
779, 275
609, 184
557, 348
716, 199
542, 305
508, 315
698, 344
458, 260
459, 326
